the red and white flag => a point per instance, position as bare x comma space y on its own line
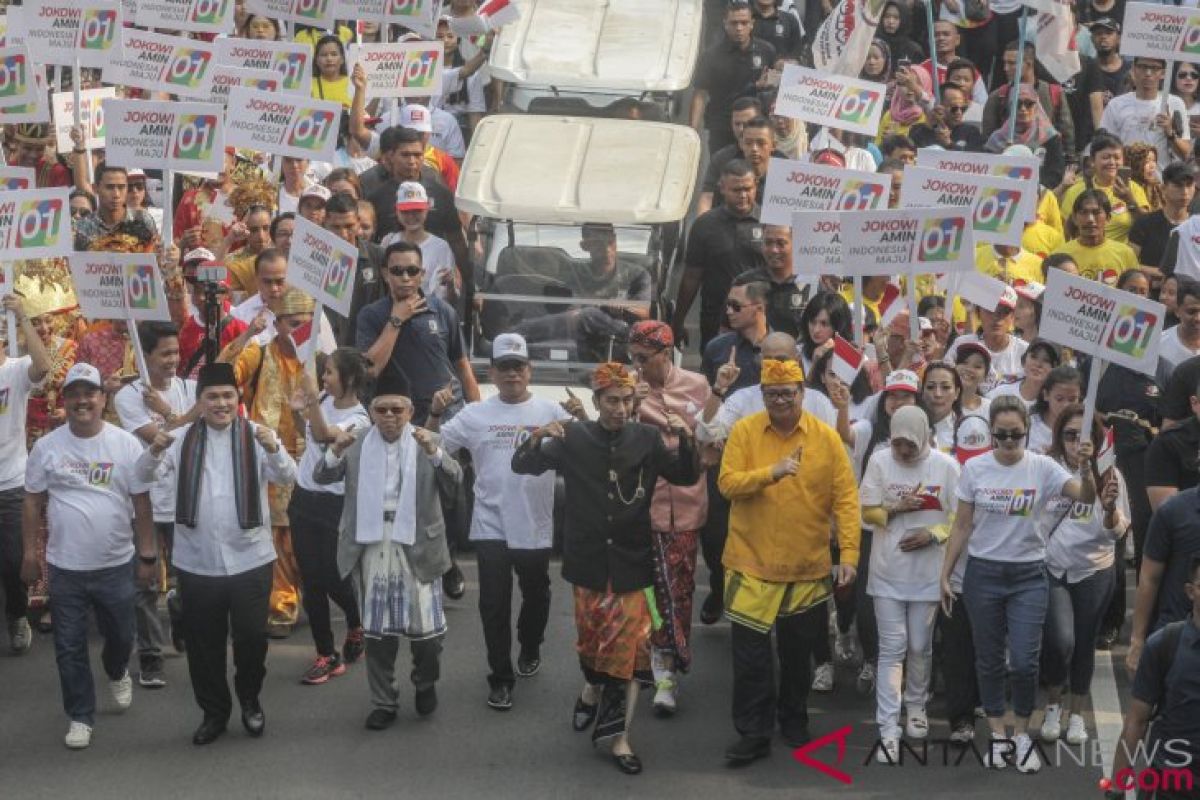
1107, 457
1054, 38
844, 38
498, 12
304, 340
847, 360
892, 304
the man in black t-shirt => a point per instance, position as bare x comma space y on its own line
1085, 97
780, 30
733, 68
1172, 458
789, 292
1151, 232
1114, 68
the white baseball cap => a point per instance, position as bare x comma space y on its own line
510, 347
199, 254
411, 196
83, 373
903, 380
416, 117
318, 191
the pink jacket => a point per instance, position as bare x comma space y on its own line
677, 508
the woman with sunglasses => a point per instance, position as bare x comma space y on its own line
1186, 86
908, 495
1036, 362
1005, 587
1034, 130
1080, 560
1063, 387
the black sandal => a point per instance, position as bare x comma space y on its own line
584, 715
628, 763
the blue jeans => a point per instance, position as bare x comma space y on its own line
1007, 604
109, 593
1072, 623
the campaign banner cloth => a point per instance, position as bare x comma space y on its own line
835, 101
292, 60
119, 286
842, 41
323, 265
1055, 37
226, 78
35, 223
1161, 31
153, 135
400, 69
1000, 208
1019, 168
14, 178
286, 125
196, 16
915, 240
800, 186
91, 117
159, 63
62, 32
1104, 322
313, 13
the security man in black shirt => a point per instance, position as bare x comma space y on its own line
734, 68
789, 292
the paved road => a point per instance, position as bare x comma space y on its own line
316, 746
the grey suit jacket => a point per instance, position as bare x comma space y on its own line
428, 555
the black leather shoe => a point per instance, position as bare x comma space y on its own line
628, 763
528, 664
710, 612
426, 701
209, 731
796, 735
584, 715
1107, 639
253, 719
453, 583
380, 719
747, 749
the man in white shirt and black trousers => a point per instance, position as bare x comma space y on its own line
223, 551
84, 476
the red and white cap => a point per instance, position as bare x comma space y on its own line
1030, 290
416, 117
1008, 300
903, 380
411, 196
972, 437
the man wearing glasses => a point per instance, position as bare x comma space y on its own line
1138, 116
949, 130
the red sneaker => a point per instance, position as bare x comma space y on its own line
324, 668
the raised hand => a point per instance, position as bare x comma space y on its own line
425, 439
266, 437
572, 405
442, 399
162, 440
727, 373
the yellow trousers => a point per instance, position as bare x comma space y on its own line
285, 580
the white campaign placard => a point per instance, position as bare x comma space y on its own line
160, 63
197, 16
999, 207
91, 117
226, 78
1105, 322
281, 124
323, 265
37, 109
17, 76
800, 186
14, 178
314, 13
292, 60
914, 240
400, 69
1019, 168
416, 15
63, 31
153, 135
817, 242
833, 100
119, 286
1161, 31
35, 223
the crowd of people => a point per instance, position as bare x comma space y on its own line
939, 523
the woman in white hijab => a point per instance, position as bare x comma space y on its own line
908, 498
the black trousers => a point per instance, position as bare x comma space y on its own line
314, 517
713, 534
497, 563
12, 551
213, 607
755, 697
958, 664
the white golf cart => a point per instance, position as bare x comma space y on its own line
587, 57
538, 187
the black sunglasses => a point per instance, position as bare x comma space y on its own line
1189, 75
959, 109
397, 272
1003, 435
735, 306
389, 411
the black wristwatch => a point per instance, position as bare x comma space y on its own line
719, 392
395, 322
148, 559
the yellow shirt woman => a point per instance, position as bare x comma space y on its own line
337, 90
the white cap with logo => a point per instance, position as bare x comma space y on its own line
510, 347
417, 117
83, 373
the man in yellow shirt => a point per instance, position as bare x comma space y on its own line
1010, 264
1098, 257
790, 483
240, 263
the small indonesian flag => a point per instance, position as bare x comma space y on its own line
1107, 457
847, 360
498, 12
929, 498
304, 340
892, 304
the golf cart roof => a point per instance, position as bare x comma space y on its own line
572, 170
631, 46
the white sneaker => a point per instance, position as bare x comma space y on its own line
843, 648
1026, 758
1076, 730
664, 697
20, 637
997, 754
823, 678
1052, 723
917, 726
79, 736
888, 752
122, 691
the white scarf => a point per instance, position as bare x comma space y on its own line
1187, 262
372, 480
